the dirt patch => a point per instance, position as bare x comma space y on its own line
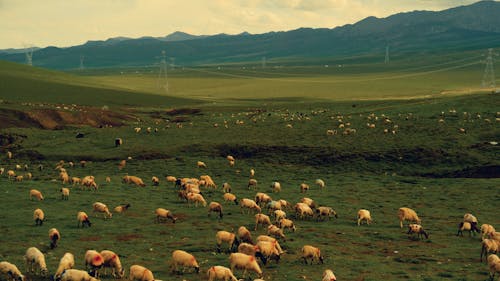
90, 238
183, 111
128, 237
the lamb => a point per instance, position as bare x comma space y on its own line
230, 197
39, 216
93, 262
311, 252
155, 180
467, 226
494, 265
252, 183
262, 219
37, 194
489, 246
76, 275
244, 235
83, 219
137, 129
225, 236
276, 186
67, 262
201, 164
99, 207
320, 183
267, 250
64, 193
275, 231
11, 272
216, 208
196, 198
246, 262
121, 208
113, 261
325, 212
220, 273
164, 214
140, 273
54, 236
262, 198
486, 229
184, 259
328, 275
408, 214
417, 229
302, 210
364, 215
249, 204
286, 223
226, 187
303, 187
35, 262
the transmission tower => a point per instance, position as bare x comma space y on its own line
489, 71
386, 54
162, 76
82, 57
29, 55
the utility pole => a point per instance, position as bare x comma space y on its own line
162, 76
489, 71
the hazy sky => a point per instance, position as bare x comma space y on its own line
72, 22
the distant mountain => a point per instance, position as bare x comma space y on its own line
16, 51
469, 27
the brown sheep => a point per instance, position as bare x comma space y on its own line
216, 208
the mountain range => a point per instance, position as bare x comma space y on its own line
476, 26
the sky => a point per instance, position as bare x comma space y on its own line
64, 23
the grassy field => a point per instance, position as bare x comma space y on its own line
425, 164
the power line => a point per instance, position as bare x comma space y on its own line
162, 76
489, 71
28, 50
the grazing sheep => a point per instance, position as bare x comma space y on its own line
245, 262
228, 237
2, 170
64, 177
37, 194
408, 214
252, 183
164, 214
184, 259
364, 215
279, 214
249, 204
286, 223
76, 275
171, 179
417, 229
226, 187
11, 272
303, 210
140, 273
244, 235
122, 164
246, 248
9, 155
494, 265
230, 158
252, 173
39, 217
118, 142
328, 275
489, 246
285, 204
113, 261
76, 180
196, 198
67, 262
276, 186
311, 252
470, 218
155, 180
309, 202
467, 226
64, 193
220, 273
121, 208
19, 178
216, 208
133, 180
201, 164
107, 179
495, 235
99, 207
325, 212
209, 182
89, 181
271, 239
275, 231
304, 187
230, 197
28, 176
93, 262
262, 198
11, 174
273, 205
267, 250
320, 183
35, 262
83, 219
261, 219
54, 236
486, 229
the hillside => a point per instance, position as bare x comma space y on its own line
470, 27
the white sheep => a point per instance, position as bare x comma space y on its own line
227, 237
83, 219
38, 216
216, 208
320, 183
54, 236
226, 187
303, 210
140, 273
184, 259
99, 207
275, 231
220, 273
494, 265
36, 193
252, 183
408, 214
162, 214
262, 198
121, 208
311, 252
325, 212
35, 262
76, 275
67, 262
249, 204
196, 198
93, 262
328, 275
303, 187
261, 219
201, 164
286, 223
244, 234
112, 261
486, 229
245, 262
279, 214
246, 248
11, 272
271, 239
155, 181
467, 226
489, 246
417, 229
364, 215
64, 193
267, 250
230, 197
276, 186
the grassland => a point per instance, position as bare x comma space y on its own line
427, 165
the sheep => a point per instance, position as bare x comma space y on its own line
320, 183
37, 194
155, 181
99, 207
67, 262
216, 208
76, 180
286, 223
121, 208
262, 198
201, 164
64, 193
408, 214
83, 163
2, 170
11, 272
246, 262
489, 246
486, 229
271, 239
54, 236
249, 204
252, 183
164, 214
113, 261
246, 248
303, 187
93, 262
64, 177
252, 173
273, 205
311, 252
118, 142
302, 210
331, 132
261, 219
276, 186
244, 235
220, 273
230, 197
279, 214
19, 178
325, 212
328, 275
35, 262
267, 250
107, 179
134, 180
417, 229
11, 174
184, 259
495, 235
122, 164
38, 216
140, 273
225, 236
209, 182
470, 218
83, 219
230, 158
89, 181
467, 226
9, 155
494, 265
196, 198
171, 179
76, 275
309, 202
284, 204
275, 231
364, 215
226, 187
